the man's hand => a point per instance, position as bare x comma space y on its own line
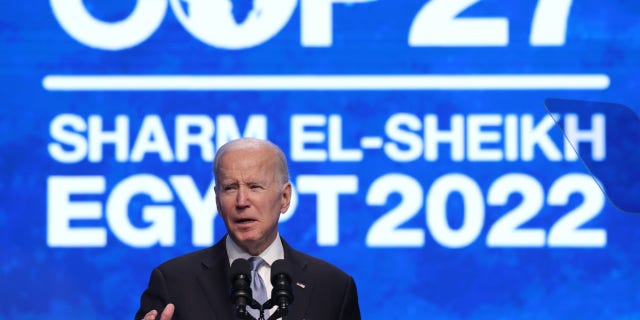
167, 313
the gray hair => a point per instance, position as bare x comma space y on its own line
253, 143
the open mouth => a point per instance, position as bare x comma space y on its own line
245, 221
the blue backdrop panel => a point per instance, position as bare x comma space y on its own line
423, 160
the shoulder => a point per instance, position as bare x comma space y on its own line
318, 268
333, 291
193, 261
184, 259
320, 264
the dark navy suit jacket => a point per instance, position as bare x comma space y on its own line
198, 285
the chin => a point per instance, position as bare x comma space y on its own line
249, 237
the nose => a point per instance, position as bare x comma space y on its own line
242, 197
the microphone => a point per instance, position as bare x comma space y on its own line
281, 295
241, 288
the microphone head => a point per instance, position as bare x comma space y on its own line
280, 268
241, 294
282, 294
241, 267
241, 283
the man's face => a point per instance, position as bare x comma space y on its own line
250, 196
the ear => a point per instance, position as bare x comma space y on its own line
286, 197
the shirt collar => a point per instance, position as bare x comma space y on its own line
274, 252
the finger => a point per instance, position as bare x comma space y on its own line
151, 315
167, 314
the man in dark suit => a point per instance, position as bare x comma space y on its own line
252, 190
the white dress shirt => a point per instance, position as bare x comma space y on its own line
274, 252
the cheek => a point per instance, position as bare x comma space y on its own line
223, 209
224, 217
224, 202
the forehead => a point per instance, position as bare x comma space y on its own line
247, 163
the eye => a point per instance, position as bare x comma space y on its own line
255, 187
229, 187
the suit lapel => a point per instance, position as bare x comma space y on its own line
214, 281
301, 283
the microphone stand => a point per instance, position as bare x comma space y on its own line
243, 314
278, 314
282, 310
